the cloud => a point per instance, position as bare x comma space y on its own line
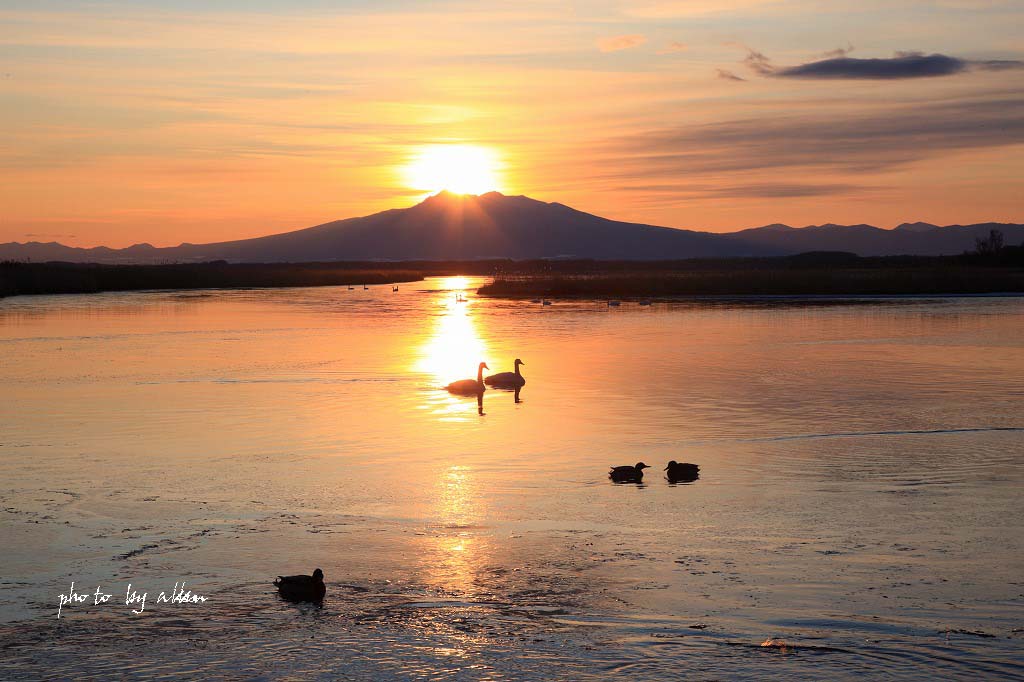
759, 63
838, 52
750, 191
998, 64
727, 75
616, 43
785, 190
835, 141
673, 47
902, 65
678, 9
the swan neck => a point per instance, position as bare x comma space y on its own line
480, 375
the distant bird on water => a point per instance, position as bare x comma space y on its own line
628, 474
394, 288
681, 471
302, 587
507, 379
469, 386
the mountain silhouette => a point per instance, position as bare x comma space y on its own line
463, 227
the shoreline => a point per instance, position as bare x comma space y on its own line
816, 274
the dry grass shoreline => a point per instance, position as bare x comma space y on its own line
810, 274
824, 282
19, 279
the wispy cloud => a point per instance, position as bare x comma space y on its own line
727, 75
842, 142
838, 52
625, 42
747, 191
678, 9
759, 63
673, 47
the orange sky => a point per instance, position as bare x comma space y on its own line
169, 122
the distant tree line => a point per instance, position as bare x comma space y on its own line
990, 266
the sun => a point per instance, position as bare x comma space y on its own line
458, 168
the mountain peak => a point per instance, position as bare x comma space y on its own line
445, 196
452, 226
916, 227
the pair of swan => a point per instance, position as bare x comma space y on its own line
479, 385
674, 472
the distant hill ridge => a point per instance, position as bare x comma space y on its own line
466, 227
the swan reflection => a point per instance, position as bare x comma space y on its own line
480, 398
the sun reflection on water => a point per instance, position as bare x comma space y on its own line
454, 348
452, 558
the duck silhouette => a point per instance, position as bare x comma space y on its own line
628, 474
683, 472
302, 587
507, 379
469, 386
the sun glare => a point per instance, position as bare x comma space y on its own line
459, 168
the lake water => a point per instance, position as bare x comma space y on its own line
859, 505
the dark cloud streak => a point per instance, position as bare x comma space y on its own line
903, 65
847, 143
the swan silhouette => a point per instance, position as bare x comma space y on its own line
507, 379
302, 587
628, 474
469, 386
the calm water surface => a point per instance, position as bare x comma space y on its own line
859, 503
